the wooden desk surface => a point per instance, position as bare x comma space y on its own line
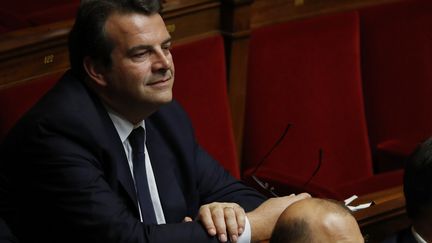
385, 217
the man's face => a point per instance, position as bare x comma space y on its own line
142, 72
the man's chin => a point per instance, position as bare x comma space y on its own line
163, 100
167, 101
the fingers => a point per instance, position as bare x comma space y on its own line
231, 223
187, 219
226, 220
298, 197
304, 195
205, 216
263, 218
218, 215
241, 219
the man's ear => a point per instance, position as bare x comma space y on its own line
95, 71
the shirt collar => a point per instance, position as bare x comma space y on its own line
123, 126
416, 235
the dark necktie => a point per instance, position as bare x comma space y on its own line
137, 141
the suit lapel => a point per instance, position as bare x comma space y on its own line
164, 162
165, 166
123, 171
113, 146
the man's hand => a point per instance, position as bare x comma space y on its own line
187, 219
263, 219
223, 219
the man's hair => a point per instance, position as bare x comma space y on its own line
293, 230
88, 37
297, 229
418, 182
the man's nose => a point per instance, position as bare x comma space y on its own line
161, 60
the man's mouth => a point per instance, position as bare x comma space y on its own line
160, 82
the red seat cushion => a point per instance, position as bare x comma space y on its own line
18, 99
200, 86
397, 77
307, 73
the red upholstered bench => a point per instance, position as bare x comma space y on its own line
307, 74
397, 75
201, 87
16, 100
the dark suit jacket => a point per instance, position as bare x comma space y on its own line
5, 233
64, 176
403, 236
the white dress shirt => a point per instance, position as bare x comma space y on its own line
124, 128
418, 237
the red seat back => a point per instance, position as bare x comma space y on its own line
200, 86
307, 73
18, 99
397, 76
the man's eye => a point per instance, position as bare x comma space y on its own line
140, 54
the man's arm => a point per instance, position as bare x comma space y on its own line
65, 194
216, 185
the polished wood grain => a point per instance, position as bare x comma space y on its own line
385, 217
236, 31
33, 52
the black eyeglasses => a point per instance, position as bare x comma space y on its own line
318, 167
264, 185
271, 189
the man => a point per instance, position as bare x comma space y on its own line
418, 197
107, 156
316, 220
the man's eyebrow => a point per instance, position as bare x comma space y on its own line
168, 40
134, 49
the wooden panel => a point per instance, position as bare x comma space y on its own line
385, 217
237, 76
196, 21
266, 12
236, 30
37, 64
32, 52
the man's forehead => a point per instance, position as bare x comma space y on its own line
124, 25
